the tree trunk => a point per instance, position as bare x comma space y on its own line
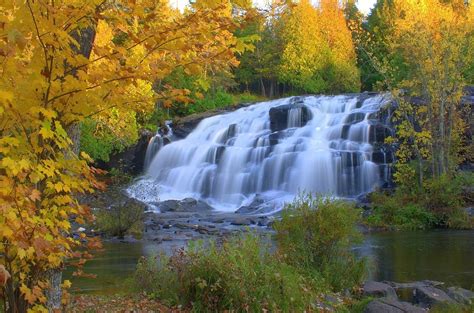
54, 293
262, 86
74, 133
85, 37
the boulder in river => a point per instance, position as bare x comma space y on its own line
461, 295
378, 289
281, 116
390, 305
185, 205
429, 296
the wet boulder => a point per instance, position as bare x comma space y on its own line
378, 289
378, 133
389, 305
461, 295
354, 118
279, 116
185, 205
430, 296
382, 157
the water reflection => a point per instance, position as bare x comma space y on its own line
446, 256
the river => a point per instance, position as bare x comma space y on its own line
441, 255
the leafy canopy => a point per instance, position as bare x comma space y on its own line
63, 61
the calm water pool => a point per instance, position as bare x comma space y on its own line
446, 256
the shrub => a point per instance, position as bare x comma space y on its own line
241, 275
439, 203
442, 195
246, 97
99, 140
389, 211
121, 219
211, 101
316, 234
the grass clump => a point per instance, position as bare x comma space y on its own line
438, 203
246, 273
121, 219
241, 275
316, 235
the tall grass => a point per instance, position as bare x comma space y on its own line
247, 273
316, 234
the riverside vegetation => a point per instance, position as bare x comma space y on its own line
311, 259
80, 79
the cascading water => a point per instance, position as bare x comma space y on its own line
328, 145
156, 143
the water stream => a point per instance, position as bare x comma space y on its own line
439, 255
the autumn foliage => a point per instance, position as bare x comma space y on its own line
63, 61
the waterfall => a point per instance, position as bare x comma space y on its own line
156, 143
332, 145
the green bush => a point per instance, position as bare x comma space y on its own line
443, 194
101, 142
241, 275
316, 234
389, 211
122, 219
438, 204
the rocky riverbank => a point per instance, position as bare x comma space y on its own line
414, 297
175, 222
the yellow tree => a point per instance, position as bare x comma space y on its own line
305, 49
318, 53
342, 67
435, 40
63, 61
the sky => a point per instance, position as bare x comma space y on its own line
363, 5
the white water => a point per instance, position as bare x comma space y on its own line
230, 158
156, 143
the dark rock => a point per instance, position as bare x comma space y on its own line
241, 221
461, 295
252, 207
381, 157
132, 159
429, 296
279, 115
218, 220
331, 299
169, 205
354, 118
274, 138
416, 284
229, 133
263, 221
377, 289
182, 127
185, 205
389, 305
378, 133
